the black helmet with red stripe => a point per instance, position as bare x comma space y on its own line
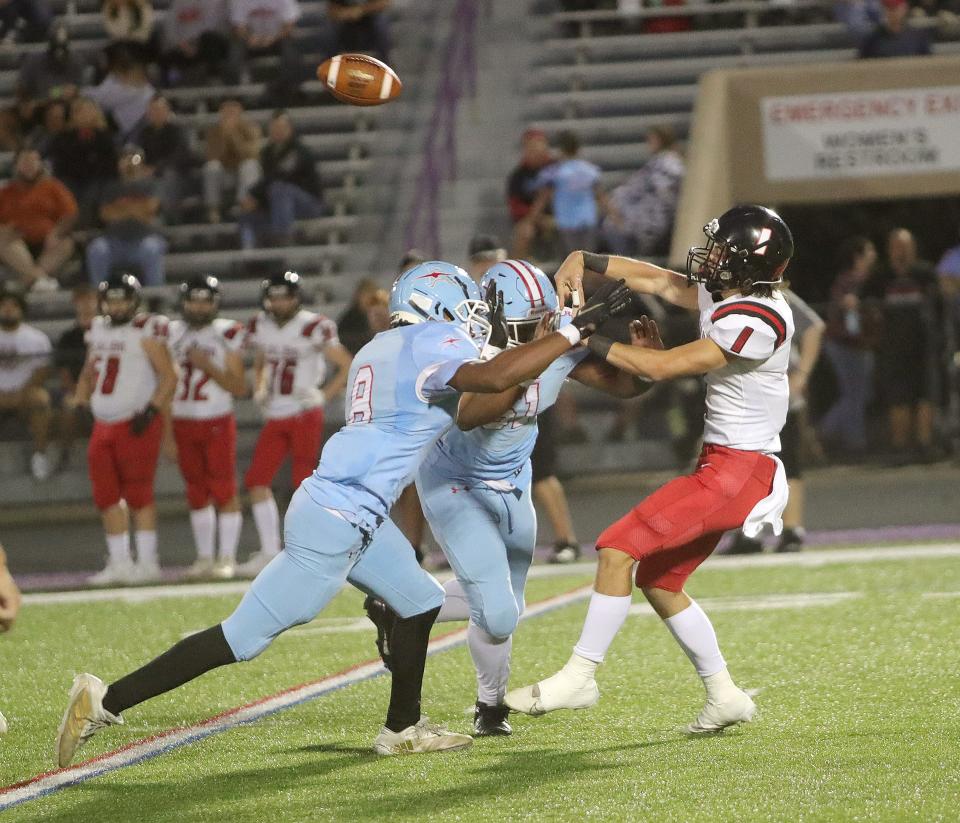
747, 246
202, 293
120, 296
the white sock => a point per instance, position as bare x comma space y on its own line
267, 517
604, 619
491, 657
146, 547
230, 525
204, 525
693, 630
455, 604
118, 547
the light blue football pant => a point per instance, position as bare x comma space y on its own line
489, 537
321, 552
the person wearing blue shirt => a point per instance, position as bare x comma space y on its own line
572, 187
404, 388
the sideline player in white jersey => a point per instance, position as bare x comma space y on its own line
207, 350
128, 380
744, 351
292, 346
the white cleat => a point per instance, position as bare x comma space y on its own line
84, 716
224, 570
202, 569
115, 573
254, 564
422, 737
147, 571
734, 707
564, 690
3, 724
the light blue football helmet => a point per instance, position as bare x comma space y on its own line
527, 293
440, 292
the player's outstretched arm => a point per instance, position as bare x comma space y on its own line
602, 376
640, 276
699, 357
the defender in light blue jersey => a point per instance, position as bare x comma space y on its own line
403, 393
475, 486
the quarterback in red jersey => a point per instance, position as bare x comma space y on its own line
744, 352
128, 380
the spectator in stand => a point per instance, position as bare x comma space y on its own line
860, 17
289, 188
641, 210
18, 123
195, 33
572, 186
265, 27
37, 216
54, 74
662, 25
360, 25
233, 146
484, 251
535, 155
893, 36
907, 357
362, 319
124, 94
69, 355
129, 208
849, 344
24, 362
56, 118
84, 156
167, 154
31, 16
128, 21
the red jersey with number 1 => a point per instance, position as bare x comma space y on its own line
124, 377
293, 357
197, 396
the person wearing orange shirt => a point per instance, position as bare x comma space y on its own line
37, 214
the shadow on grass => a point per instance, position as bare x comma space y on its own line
345, 783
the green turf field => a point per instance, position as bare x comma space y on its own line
859, 713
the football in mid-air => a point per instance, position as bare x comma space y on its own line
359, 80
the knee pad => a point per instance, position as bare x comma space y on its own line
500, 621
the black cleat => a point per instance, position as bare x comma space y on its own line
384, 618
491, 721
744, 545
791, 541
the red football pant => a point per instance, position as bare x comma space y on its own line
678, 526
298, 436
207, 454
122, 465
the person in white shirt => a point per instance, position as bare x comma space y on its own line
206, 348
292, 346
128, 380
24, 362
744, 352
266, 27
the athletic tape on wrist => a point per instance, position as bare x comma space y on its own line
572, 333
596, 262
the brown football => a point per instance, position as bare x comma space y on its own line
359, 80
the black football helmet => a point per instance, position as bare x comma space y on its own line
121, 285
204, 287
746, 246
281, 284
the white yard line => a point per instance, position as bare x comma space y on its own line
807, 559
151, 747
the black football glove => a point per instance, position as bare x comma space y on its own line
611, 299
142, 419
498, 323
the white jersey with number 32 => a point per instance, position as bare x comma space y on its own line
198, 397
293, 357
124, 377
747, 400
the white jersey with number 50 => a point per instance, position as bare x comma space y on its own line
197, 396
124, 378
293, 357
